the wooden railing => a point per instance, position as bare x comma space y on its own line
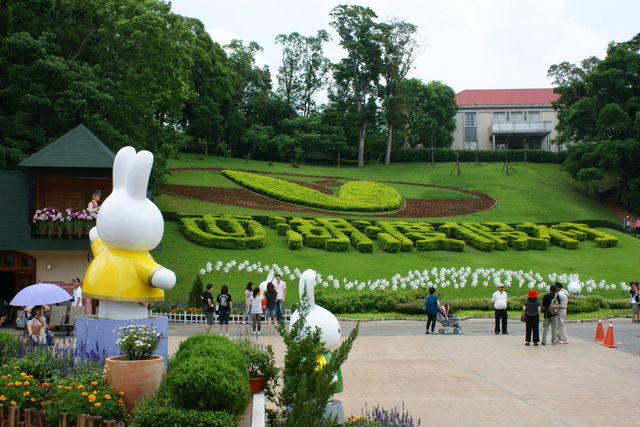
33, 417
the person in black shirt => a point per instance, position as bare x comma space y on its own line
208, 307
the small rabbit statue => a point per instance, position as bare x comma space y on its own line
574, 284
123, 274
321, 318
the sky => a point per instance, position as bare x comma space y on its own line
465, 44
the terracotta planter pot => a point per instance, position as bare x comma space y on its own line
256, 384
136, 378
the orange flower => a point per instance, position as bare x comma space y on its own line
97, 404
26, 393
107, 396
2, 398
92, 397
85, 394
94, 383
14, 403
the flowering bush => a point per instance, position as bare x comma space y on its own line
19, 388
93, 398
138, 342
187, 310
52, 221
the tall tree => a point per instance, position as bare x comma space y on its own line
304, 71
399, 53
428, 116
213, 84
250, 82
599, 116
363, 39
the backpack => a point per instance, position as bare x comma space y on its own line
554, 306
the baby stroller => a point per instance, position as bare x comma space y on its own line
448, 320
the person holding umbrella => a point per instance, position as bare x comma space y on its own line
37, 326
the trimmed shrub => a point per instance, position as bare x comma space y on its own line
207, 345
294, 240
366, 196
208, 383
388, 243
159, 412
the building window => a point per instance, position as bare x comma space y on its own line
517, 116
470, 131
500, 116
534, 116
470, 120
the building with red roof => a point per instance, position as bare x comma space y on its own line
497, 119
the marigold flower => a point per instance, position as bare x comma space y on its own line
17, 383
59, 386
85, 394
81, 386
26, 393
121, 393
92, 397
94, 383
25, 383
97, 404
107, 396
2, 398
14, 403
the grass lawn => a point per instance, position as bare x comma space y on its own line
535, 193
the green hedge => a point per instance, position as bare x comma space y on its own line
223, 231
159, 412
423, 155
365, 196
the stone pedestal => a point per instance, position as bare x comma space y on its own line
97, 335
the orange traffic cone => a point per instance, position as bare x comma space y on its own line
608, 341
599, 331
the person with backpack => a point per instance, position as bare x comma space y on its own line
207, 297
224, 308
551, 307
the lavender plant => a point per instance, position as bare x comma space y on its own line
380, 417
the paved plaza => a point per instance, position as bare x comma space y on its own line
483, 379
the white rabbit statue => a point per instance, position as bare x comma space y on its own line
123, 273
319, 317
574, 284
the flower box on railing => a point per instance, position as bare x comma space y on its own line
53, 222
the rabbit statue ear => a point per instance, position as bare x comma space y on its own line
122, 166
270, 277
139, 175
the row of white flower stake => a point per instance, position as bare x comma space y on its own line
414, 279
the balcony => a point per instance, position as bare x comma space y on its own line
532, 128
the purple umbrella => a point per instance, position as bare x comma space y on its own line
39, 294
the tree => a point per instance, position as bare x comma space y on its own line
599, 115
250, 82
428, 116
213, 84
304, 71
120, 67
398, 55
360, 71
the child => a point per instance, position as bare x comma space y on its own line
93, 203
256, 310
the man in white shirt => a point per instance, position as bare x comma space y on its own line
499, 299
281, 289
563, 299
